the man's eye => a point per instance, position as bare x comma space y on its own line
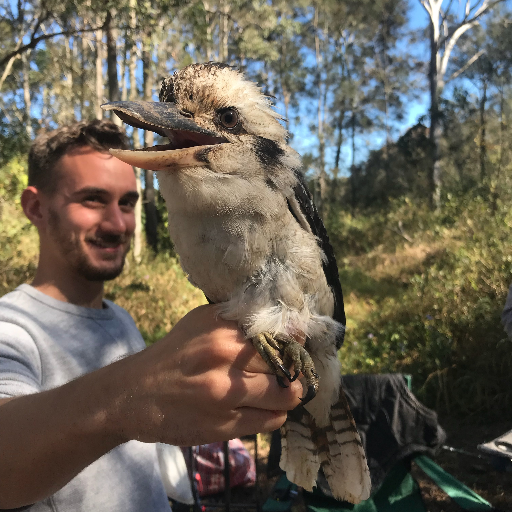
92, 201
127, 205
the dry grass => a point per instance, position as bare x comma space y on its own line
156, 293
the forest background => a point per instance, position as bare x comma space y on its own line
401, 110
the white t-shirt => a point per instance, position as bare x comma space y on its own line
46, 343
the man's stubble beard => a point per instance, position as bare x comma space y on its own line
73, 252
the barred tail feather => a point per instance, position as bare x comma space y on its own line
299, 455
337, 448
343, 459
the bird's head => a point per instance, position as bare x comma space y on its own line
213, 117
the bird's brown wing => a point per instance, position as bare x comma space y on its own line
303, 208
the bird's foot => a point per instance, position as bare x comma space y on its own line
281, 352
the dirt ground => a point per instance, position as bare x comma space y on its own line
477, 473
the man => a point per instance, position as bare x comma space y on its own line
79, 398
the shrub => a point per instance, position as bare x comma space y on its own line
442, 322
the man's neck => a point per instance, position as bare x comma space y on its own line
73, 289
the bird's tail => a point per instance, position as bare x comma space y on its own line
336, 448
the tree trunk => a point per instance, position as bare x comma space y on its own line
224, 31
495, 193
26, 94
10, 62
149, 192
353, 176
113, 83
435, 125
69, 116
122, 70
320, 127
209, 39
483, 135
83, 60
339, 138
99, 72
137, 235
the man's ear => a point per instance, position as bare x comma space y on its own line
32, 207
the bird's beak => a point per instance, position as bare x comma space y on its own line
188, 145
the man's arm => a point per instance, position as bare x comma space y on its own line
201, 383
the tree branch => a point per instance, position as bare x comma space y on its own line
486, 6
36, 40
451, 44
7, 69
444, 14
400, 231
466, 66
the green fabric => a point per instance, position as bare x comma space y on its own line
280, 500
457, 491
398, 493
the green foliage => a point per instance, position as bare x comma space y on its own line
435, 305
17, 236
156, 293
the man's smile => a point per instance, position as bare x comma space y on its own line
109, 248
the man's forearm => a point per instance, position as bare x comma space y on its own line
48, 438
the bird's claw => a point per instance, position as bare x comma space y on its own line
286, 372
297, 373
280, 381
279, 352
310, 394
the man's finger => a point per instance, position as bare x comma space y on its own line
262, 391
253, 421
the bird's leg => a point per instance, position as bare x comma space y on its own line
281, 352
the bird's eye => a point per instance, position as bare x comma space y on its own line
229, 118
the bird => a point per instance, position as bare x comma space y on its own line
249, 236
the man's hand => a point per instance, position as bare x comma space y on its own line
203, 382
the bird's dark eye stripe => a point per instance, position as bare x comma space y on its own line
269, 152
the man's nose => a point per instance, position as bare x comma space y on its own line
114, 220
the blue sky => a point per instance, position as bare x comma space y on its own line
304, 142
417, 108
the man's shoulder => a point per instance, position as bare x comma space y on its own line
119, 311
16, 312
15, 300
125, 319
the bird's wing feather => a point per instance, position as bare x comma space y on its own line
303, 208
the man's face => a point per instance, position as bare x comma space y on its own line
91, 214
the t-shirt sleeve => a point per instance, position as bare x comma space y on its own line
506, 316
20, 363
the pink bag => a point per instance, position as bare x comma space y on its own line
209, 466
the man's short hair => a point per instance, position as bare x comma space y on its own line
49, 147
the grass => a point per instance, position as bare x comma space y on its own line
431, 306
156, 293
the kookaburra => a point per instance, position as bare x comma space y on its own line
249, 236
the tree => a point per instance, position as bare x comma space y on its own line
446, 28
31, 24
